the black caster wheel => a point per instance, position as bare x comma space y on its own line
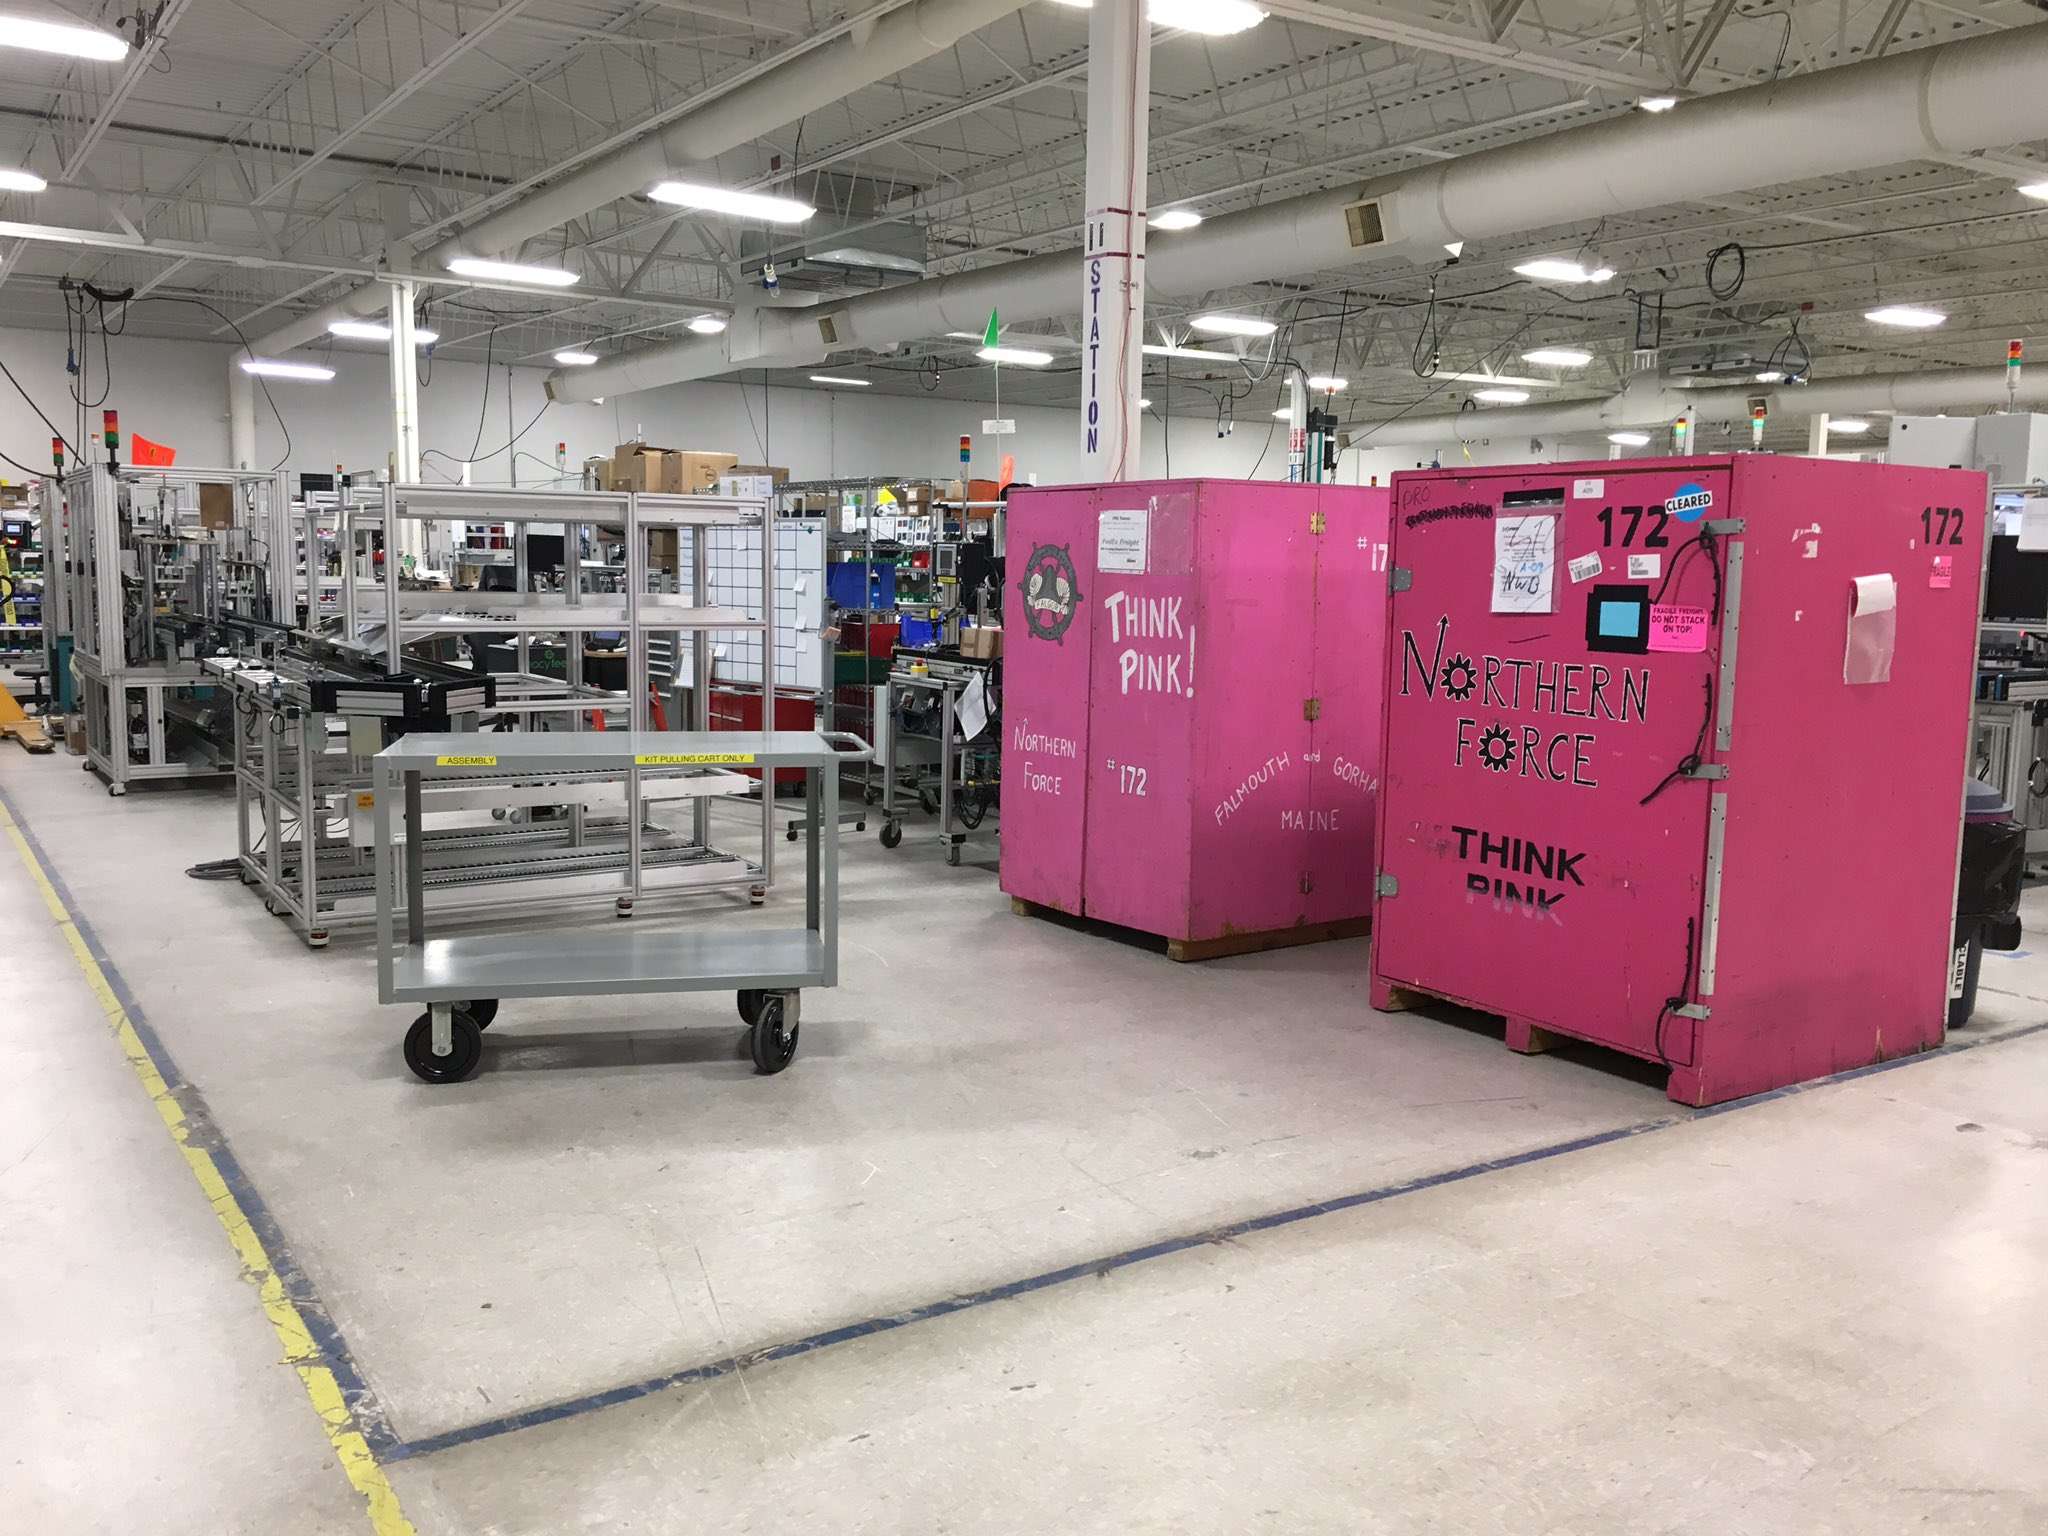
482, 1009
892, 833
860, 826
871, 797
466, 1048
792, 832
772, 1040
758, 896
623, 907
750, 1003
270, 906
929, 801
117, 790
317, 938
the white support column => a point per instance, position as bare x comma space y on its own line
405, 406
241, 415
1817, 434
1113, 261
1297, 425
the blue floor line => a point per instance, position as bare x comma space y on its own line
203, 1131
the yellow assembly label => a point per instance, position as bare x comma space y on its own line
366, 801
690, 759
467, 760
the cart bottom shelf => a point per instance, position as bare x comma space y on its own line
532, 963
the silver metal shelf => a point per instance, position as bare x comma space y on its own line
543, 964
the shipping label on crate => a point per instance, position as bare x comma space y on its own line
1121, 541
1677, 627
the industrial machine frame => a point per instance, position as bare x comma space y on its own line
463, 979
948, 684
94, 607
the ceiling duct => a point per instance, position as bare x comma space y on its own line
849, 244
1952, 98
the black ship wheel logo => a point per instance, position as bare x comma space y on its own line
1497, 748
1460, 677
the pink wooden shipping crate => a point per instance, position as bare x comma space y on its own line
1191, 702
1781, 912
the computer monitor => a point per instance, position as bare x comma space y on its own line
2016, 585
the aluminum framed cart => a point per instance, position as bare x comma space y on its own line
463, 979
969, 770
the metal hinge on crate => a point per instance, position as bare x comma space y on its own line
1386, 885
1706, 771
1317, 522
1400, 579
1311, 709
1693, 1011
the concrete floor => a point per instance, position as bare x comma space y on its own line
1819, 1313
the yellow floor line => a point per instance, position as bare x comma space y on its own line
322, 1390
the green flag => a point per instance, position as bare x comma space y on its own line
988, 337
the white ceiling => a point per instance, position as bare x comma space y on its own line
279, 146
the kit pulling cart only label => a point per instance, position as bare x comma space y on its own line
1673, 756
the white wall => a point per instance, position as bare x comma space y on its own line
176, 393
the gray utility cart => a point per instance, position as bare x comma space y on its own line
462, 979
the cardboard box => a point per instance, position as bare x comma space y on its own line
749, 486
637, 467
774, 471
696, 472
216, 506
982, 642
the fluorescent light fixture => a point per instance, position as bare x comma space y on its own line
1911, 317
745, 205
1233, 325
1501, 396
1563, 269
1513, 379
833, 378
862, 256
575, 359
512, 272
1558, 357
71, 40
1144, 405
1212, 18
708, 325
2036, 189
1327, 382
1770, 376
1629, 439
1658, 103
1160, 349
1852, 425
21, 181
1454, 248
1187, 218
377, 330
1027, 357
1284, 413
274, 368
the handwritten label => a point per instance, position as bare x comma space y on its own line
466, 760
1585, 568
1677, 627
1120, 541
1944, 573
1525, 563
688, 759
1645, 567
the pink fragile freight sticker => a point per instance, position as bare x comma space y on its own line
1677, 627
1944, 572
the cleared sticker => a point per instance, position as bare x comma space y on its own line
1677, 627
1588, 490
1585, 567
1690, 502
466, 760
688, 759
1645, 567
